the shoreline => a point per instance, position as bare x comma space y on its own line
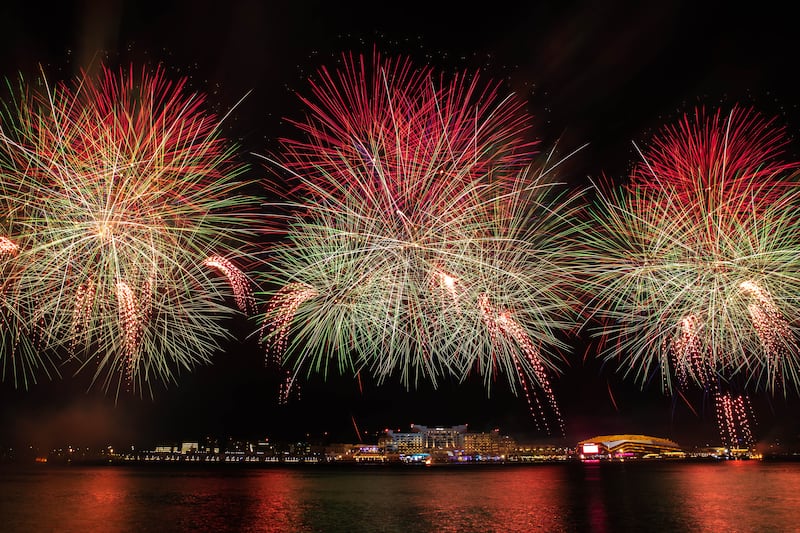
392, 465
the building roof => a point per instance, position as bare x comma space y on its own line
614, 441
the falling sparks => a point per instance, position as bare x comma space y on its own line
240, 284
733, 420
772, 328
84, 301
131, 326
733, 417
447, 283
500, 323
284, 307
690, 365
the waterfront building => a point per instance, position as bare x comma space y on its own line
628, 446
441, 438
165, 448
402, 443
484, 444
532, 453
189, 447
452, 443
370, 454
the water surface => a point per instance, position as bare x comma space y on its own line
734, 496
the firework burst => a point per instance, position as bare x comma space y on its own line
696, 267
418, 210
123, 200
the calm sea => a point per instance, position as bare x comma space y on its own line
654, 496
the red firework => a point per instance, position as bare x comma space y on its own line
413, 133
414, 193
698, 255
713, 172
736, 154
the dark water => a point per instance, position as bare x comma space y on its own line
659, 496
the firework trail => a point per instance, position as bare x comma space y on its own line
131, 325
283, 306
239, 282
415, 198
500, 323
697, 261
119, 188
84, 302
733, 413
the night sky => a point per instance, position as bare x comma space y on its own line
603, 73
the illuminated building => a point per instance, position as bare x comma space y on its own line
441, 438
628, 446
402, 443
165, 448
532, 453
370, 454
423, 439
189, 447
483, 443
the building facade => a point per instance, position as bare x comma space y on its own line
628, 446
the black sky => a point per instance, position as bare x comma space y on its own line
603, 73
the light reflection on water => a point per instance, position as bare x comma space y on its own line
670, 496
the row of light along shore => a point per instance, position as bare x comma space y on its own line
421, 445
